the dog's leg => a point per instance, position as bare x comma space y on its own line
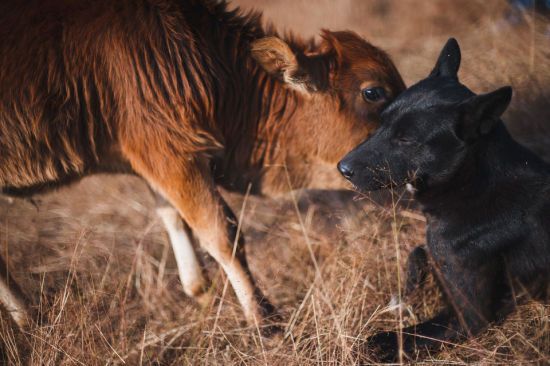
417, 269
470, 293
181, 238
470, 289
442, 327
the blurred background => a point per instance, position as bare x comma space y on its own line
98, 263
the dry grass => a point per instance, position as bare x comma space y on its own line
98, 263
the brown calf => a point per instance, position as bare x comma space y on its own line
187, 95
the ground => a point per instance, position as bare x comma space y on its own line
98, 263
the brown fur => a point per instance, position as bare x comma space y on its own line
170, 90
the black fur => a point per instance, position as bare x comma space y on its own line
485, 197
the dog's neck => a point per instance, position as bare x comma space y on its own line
494, 162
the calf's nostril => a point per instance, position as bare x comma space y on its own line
346, 170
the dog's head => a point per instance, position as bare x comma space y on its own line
427, 131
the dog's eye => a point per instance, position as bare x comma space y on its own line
374, 94
403, 140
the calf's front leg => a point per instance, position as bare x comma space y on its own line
186, 183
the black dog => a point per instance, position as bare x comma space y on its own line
486, 200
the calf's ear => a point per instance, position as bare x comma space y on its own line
448, 61
304, 73
481, 113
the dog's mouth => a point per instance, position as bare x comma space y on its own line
381, 179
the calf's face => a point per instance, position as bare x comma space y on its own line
343, 84
427, 133
363, 81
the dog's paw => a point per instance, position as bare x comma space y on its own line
384, 346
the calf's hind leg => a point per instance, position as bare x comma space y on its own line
181, 239
12, 297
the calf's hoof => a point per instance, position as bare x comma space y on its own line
270, 322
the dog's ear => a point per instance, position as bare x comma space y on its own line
481, 113
449, 60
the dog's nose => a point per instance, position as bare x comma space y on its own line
346, 170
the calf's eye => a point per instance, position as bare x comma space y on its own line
374, 94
